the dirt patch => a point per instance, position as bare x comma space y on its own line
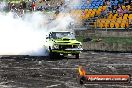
36, 73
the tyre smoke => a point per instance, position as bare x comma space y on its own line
27, 35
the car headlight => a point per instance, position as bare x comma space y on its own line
79, 46
56, 46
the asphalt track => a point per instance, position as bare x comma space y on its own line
36, 72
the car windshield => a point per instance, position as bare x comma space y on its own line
58, 35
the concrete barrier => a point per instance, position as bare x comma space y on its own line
101, 46
107, 47
105, 33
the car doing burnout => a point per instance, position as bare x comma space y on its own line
63, 43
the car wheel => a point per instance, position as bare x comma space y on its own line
77, 56
50, 53
54, 55
57, 55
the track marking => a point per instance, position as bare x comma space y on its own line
91, 84
52, 86
113, 69
110, 64
61, 68
33, 68
3, 85
120, 86
118, 64
70, 84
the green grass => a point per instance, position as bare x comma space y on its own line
120, 40
79, 38
110, 40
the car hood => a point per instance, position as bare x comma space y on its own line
66, 41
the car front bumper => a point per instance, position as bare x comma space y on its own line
68, 50
74, 49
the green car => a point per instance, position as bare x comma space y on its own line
63, 43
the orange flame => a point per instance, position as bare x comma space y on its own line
81, 71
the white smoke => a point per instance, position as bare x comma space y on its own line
2, 5
27, 36
61, 23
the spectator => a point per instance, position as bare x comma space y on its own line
120, 2
104, 3
88, 1
57, 10
114, 10
61, 4
9, 5
103, 13
83, 13
127, 2
39, 5
21, 6
33, 6
29, 5
109, 8
24, 4
126, 10
13, 7
46, 6
21, 10
119, 10
130, 7
108, 3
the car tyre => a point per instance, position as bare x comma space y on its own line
50, 53
77, 56
53, 55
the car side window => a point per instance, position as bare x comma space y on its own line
53, 35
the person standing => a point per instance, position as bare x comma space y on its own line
127, 2
24, 4
33, 6
9, 6
119, 10
21, 10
